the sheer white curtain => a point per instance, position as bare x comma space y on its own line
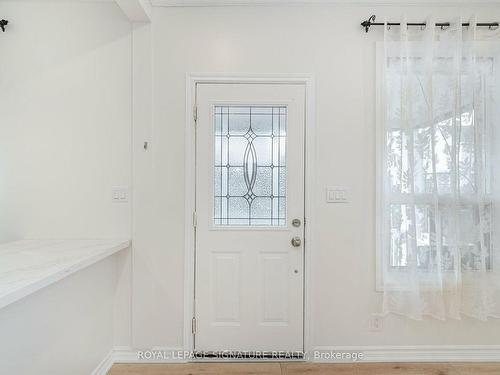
441, 171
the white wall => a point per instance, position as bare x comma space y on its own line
324, 40
65, 120
65, 141
66, 328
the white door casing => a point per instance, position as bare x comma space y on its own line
249, 278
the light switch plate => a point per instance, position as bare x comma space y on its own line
337, 194
119, 194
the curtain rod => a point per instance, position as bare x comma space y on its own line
370, 22
3, 23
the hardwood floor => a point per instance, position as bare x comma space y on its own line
298, 368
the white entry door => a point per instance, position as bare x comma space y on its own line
249, 271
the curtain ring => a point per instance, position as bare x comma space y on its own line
388, 27
422, 27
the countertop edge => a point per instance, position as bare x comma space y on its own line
41, 283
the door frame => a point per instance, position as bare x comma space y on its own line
192, 80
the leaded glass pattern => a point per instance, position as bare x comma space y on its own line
250, 165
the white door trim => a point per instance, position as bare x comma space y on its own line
192, 79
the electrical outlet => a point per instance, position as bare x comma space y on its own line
376, 323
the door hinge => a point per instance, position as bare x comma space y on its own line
195, 219
195, 113
193, 325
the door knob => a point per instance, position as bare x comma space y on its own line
296, 241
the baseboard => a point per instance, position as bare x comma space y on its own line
105, 365
326, 354
153, 355
441, 353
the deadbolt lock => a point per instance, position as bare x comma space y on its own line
296, 223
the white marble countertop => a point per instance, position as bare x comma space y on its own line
29, 265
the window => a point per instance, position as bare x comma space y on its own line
425, 204
249, 165
438, 151
434, 168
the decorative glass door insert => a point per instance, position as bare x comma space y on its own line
250, 165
